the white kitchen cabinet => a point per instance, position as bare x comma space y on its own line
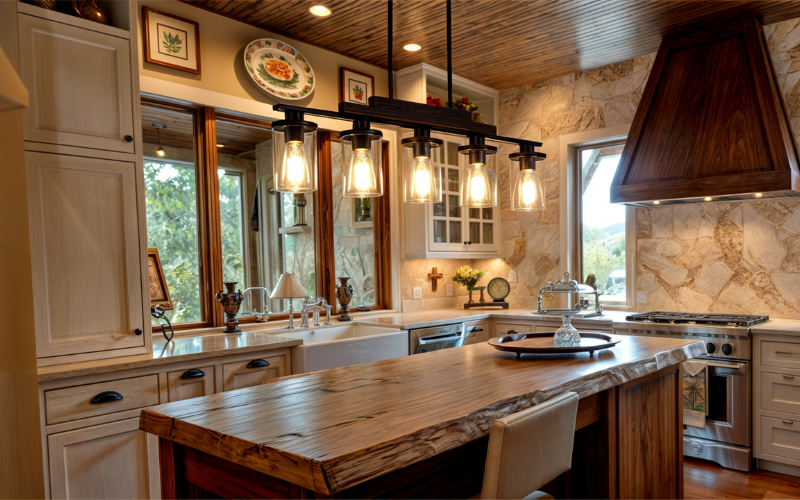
447, 230
114, 460
80, 85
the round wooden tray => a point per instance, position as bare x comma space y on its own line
542, 343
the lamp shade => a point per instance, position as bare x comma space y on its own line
288, 287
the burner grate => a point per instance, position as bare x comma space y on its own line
698, 318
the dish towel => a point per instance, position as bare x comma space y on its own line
695, 378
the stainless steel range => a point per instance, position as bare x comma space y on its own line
727, 436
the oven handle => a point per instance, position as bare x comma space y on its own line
435, 339
729, 368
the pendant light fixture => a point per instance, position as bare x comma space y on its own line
527, 193
361, 151
479, 182
294, 154
158, 126
422, 174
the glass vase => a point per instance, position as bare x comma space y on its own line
567, 335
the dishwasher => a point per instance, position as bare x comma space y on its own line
437, 338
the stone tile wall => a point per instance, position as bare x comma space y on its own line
727, 257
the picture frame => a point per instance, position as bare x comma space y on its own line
351, 82
159, 291
171, 41
361, 218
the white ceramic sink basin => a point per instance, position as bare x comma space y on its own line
336, 346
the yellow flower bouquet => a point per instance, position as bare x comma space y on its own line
468, 277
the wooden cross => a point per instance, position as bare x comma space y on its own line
434, 276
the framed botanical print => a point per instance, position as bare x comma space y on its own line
159, 291
171, 41
355, 87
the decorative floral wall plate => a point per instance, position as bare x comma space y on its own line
278, 69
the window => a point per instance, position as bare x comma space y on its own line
215, 217
601, 232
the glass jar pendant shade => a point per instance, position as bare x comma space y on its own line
422, 173
527, 192
362, 155
479, 182
294, 154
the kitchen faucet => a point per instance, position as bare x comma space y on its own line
256, 313
317, 305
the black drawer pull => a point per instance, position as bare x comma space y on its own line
106, 397
511, 332
257, 363
477, 330
193, 373
128, 138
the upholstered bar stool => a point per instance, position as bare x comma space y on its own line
530, 448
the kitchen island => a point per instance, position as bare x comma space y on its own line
417, 426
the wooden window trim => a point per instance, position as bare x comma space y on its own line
209, 224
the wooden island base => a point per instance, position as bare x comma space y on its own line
628, 444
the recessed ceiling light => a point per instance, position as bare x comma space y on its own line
707, 198
320, 10
759, 195
220, 145
656, 203
412, 47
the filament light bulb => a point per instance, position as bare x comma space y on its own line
361, 180
479, 187
294, 165
421, 180
527, 193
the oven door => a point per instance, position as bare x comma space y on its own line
438, 342
728, 403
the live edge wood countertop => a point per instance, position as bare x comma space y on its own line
330, 430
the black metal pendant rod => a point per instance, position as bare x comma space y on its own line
407, 122
449, 55
391, 41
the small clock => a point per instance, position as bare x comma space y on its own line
498, 289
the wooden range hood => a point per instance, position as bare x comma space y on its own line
711, 123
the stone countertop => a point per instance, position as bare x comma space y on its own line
268, 336
439, 317
778, 327
180, 349
333, 429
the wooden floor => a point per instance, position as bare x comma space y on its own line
708, 480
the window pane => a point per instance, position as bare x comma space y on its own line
232, 224
453, 207
603, 223
487, 214
455, 232
439, 231
452, 152
171, 206
475, 232
353, 239
474, 213
438, 209
488, 234
452, 179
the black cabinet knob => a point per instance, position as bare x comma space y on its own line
711, 348
727, 349
138, 331
128, 138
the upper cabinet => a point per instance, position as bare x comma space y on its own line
80, 85
447, 230
711, 124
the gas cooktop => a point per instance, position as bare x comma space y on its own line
698, 318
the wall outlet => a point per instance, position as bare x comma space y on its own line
416, 292
512, 276
641, 297
448, 289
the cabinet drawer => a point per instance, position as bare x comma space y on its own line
192, 383
785, 354
780, 392
478, 334
501, 329
73, 403
780, 437
252, 372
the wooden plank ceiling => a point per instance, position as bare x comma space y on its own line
499, 43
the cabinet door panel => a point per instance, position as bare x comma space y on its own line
192, 387
238, 375
80, 86
780, 437
114, 460
87, 279
780, 392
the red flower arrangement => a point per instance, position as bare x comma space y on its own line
464, 104
434, 101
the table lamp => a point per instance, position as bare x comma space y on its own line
289, 287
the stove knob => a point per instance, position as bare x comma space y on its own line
711, 347
727, 349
